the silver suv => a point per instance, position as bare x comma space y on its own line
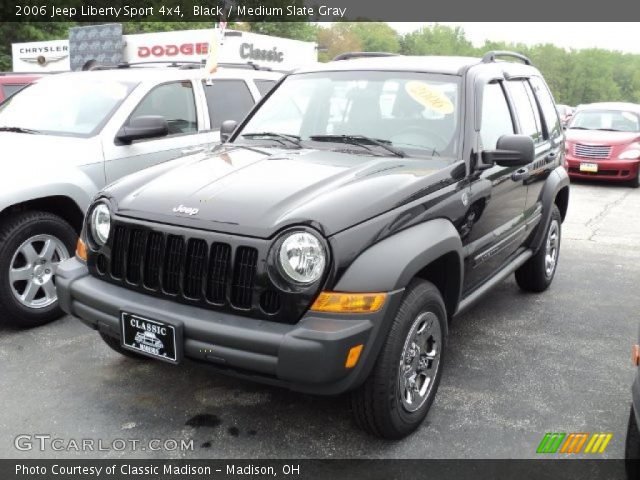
65, 137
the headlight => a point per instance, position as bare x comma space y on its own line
630, 154
302, 257
100, 224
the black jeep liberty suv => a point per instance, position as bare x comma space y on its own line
327, 243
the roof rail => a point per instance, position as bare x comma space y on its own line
350, 55
492, 56
184, 65
255, 66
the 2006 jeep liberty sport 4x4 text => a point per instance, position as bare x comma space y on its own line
325, 245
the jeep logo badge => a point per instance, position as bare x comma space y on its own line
188, 210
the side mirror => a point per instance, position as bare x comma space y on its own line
145, 126
226, 129
511, 151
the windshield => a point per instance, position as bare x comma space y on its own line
611, 120
64, 106
412, 113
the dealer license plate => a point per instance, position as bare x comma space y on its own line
149, 337
589, 167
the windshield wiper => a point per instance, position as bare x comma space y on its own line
361, 140
292, 139
609, 130
18, 130
579, 128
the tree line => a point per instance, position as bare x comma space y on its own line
574, 76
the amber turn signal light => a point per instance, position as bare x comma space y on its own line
81, 250
353, 356
635, 355
334, 302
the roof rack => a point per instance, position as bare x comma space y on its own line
255, 66
350, 55
490, 57
184, 65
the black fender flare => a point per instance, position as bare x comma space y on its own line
556, 181
390, 264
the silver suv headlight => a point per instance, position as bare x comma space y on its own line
302, 257
100, 223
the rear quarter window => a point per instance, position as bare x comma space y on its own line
526, 109
549, 112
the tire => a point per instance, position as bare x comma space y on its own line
380, 405
536, 274
22, 236
114, 344
632, 447
635, 183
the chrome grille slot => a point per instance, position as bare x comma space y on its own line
592, 151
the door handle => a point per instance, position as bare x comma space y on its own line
192, 150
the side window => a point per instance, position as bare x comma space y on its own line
173, 101
264, 86
227, 100
549, 111
526, 109
496, 118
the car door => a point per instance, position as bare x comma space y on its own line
227, 99
176, 102
549, 152
494, 227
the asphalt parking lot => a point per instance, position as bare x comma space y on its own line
518, 365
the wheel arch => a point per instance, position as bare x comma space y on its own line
60, 205
562, 201
554, 192
431, 251
446, 274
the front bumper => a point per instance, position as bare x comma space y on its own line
308, 356
612, 170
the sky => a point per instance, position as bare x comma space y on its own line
607, 35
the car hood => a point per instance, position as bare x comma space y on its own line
47, 149
258, 192
600, 137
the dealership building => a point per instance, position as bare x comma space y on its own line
105, 44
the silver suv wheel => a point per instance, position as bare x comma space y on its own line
419, 361
552, 245
32, 270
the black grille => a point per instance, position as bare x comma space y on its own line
218, 273
120, 243
153, 260
173, 264
243, 277
134, 256
194, 268
211, 273
211, 270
